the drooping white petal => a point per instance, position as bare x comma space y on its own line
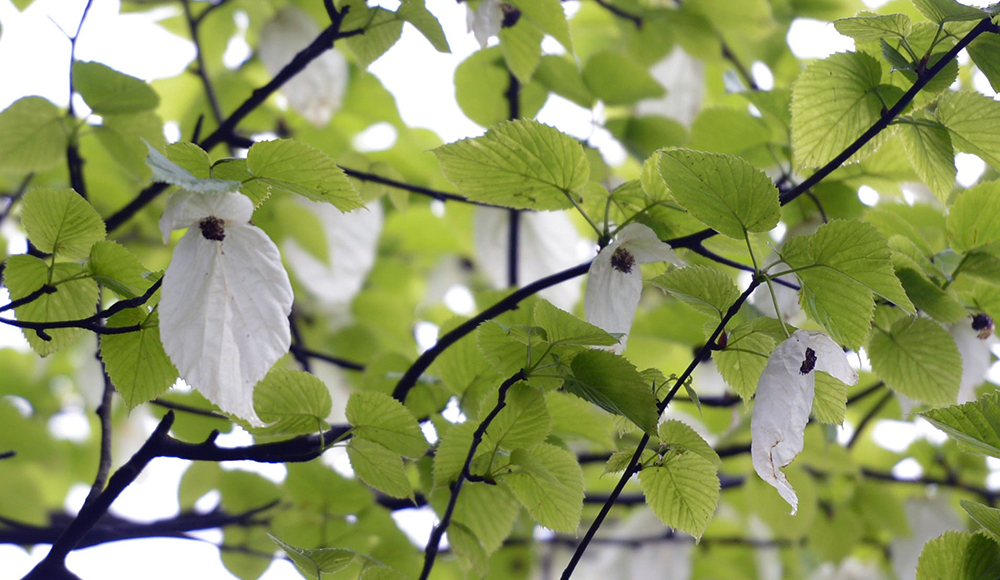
317, 92
976, 358
187, 208
548, 243
830, 358
224, 314
684, 78
485, 21
612, 295
645, 246
352, 240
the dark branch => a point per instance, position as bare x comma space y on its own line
104, 416
432, 193
868, 418
701, 250
298, 351
201, 70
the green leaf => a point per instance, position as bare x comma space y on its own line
452, 449
928, 297
139, 368
470, 553
167, 171
73, 299
548, 482
549, 16
573, 417
488, 511
830, 401
315, 563
58, 221
191, 158
704, 288
236, 170
382, 28
986, 516
917, 358
562, 76
976, 425
677, 435
106, 90
724, 192
744, 358
618, 80
834, 101
942, 11
519, 164
382, 573
287, 165
874, 27
116, 268
563, 328
928, 145
841, 266
481, 82
959, 556
500, 349
725, 130
682, 491
985, 52
612, 383
293, 402
379, 468
32, 136
380, 418
521, 45
414, 12
974, 219
524, 421
974, 122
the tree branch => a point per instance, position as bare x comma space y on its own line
104, 416
74, 161
202, 71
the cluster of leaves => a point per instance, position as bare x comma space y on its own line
545, 397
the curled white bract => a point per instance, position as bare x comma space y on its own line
225, 299
485, 20
784, 400
614, 281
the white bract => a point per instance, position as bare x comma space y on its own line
784, 399
974, 345
684, 78
317, 91
485, 20
614, 282
225, 299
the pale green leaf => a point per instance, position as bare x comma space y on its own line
573, 417
481, 84
677, 435
725, 130
548, 482
468, 550
834, 101
317, 562
236, 170
106, 90
682, 491
976, 425
618, 80
58, 221
939, 304
488, 511
119, 270
724, 192
32, 136
520, 164
524, 421
917, 358
874, 27
985, 52
549, 16
704, 288
942, 11
167, 171
452, 449
974, 122
382, 28
382, 419
563, 328
191, 158
928, 145
382, 573
562, 76
959, 556
292, 402
744, 358
414, 12
830, 400
139, 368
974, 219
500, 349
612, 383
618, 461
521, 45
379, 468
287, 165
986, 516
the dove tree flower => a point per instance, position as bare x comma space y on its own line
784, 399
614, 282
225, 299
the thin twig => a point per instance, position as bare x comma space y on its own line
74, 161
104, 416
635, 19
188, 409
298, 350
701, 250
868, 418
202, 71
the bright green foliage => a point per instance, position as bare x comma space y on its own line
32, 135
488, 511
167, 171
452, 449
562, 76
841, 267
725, 193
523, 422
414, 12
58, 221
976, 425
372, 572
705, 288
617, 80
985, 52
974, 220
519, 164
744, 358
561, 327
682, 489
870, 27
470, 553
292, 402
549, 484
830, 401
928, 145
917, 358
379, 468
287, 165
73, 299
521, 45
315, 563
974, 123
382, 29
613, 384
674, 434
107, 91
501, 348
547, 15
573, 417
481, 85
985, 516
939, 304
117, 269
941, 11
834, 101
384, 420
136, 363
959, 556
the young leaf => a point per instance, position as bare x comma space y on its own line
470, 553
976, 425
618, 80
380, 418
744, 357
287, 165
382, 28
682, 491
414, 12
704, 288
564, 328
118, 269
974, 219
106, 90
572, 418
959, 556
452, 449
834, 101
562, 76
518, 164
974, 122
613, 384
985, 52
523, 422
942, 11
58, 221
549, 16
32, 136
986, 516
291, 402
917, 358
317, 562
167, 171
521, 45
724, 192
488, 511
379, 468
928, 145
678, 435
874, 27
548, 482
138, 366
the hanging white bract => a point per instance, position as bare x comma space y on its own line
225, 299
784, 399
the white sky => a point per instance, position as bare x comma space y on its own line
34, 60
